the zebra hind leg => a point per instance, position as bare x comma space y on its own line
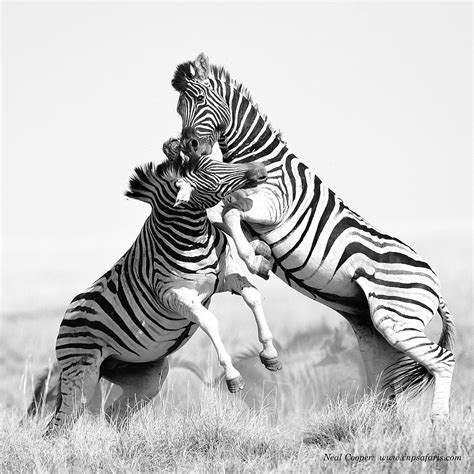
135, 385
376, 353
46, 392
425, 361
77, 388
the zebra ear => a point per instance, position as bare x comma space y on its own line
184, 192
201, 64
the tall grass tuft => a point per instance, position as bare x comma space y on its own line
214, 435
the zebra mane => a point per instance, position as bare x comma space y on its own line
148, 177
185, 72
223, 75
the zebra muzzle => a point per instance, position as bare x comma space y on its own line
257, 174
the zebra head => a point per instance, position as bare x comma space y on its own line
191, 182
206, 181
204, 113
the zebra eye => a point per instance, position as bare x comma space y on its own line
200, 98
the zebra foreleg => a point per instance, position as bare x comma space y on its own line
236, 200
187, 303
238, 283
256, 264
259, 246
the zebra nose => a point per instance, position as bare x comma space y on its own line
194, 144
257, 173
191, 145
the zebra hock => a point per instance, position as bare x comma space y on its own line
320, 247
151, 302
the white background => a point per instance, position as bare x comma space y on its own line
376, 98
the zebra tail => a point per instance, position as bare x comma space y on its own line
407, 375
448, 333
47, 390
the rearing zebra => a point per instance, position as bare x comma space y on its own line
320, 247
153, 299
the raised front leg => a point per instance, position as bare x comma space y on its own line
256, 264
238, 283
191, 308
215, 216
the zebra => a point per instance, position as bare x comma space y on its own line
319, 246
149, 304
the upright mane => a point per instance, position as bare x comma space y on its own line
147, 178
186, 72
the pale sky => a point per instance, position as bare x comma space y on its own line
376, 98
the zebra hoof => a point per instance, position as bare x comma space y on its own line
236, 384
271, 363
261, 248
264, 268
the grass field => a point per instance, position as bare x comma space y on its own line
312, 416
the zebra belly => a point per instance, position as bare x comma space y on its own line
101, 323
174, 330
162, 347
300, 254
340, 293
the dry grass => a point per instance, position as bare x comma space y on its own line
218, 435
301, 420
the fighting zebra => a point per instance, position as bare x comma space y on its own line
320, 247
153, 299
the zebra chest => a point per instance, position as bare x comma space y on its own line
204, 285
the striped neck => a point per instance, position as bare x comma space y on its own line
249, 136
183, 223
179, 224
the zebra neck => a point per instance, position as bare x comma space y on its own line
249, 135
180, 225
